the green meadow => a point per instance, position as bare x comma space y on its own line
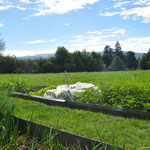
89, 77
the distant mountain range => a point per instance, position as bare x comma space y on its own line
36, 56
137, 55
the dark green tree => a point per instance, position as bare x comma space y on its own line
77, 61
148, 55
2, 44
63, 60
148, 58
108, 50
143, 63
40, 63
95, 62
1, 63
118, 50
117, 64
107, 56
131, 60
107, 59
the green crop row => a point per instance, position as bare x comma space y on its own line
130, 95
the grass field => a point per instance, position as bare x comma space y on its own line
135, 133
142, 77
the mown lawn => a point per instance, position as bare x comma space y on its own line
89, 77
133, 132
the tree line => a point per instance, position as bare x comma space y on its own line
63, 60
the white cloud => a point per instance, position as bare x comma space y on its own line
8, 4
25, 1
40, 41
141, 2
21, 8
121, 4
22, 52
53, 40
137, 44
93, 39
67, 24
5, 7
109, 14
36, 42
131, 9
1, 25
45, 7
143, 12
97, 40
112, 31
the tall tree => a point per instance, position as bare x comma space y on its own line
148, 55
143, 63
132, 62
148, 58
95, 62
108, 55
108, 50
2, 59
117, 64
62, 59
2, 44
118, 50
77, 61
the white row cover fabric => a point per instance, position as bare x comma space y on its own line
68, 92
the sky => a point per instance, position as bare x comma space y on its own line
31, 27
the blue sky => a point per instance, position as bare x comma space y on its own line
32, 27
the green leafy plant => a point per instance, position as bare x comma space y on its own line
90, 95
42, 91
15, 86
130, 95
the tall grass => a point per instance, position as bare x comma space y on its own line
83, 123
12, 139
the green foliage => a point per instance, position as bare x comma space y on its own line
6, 106
90, 95
117, 64
15, 86
131, 60
143, 63
107, 59
130, 95
42, 91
